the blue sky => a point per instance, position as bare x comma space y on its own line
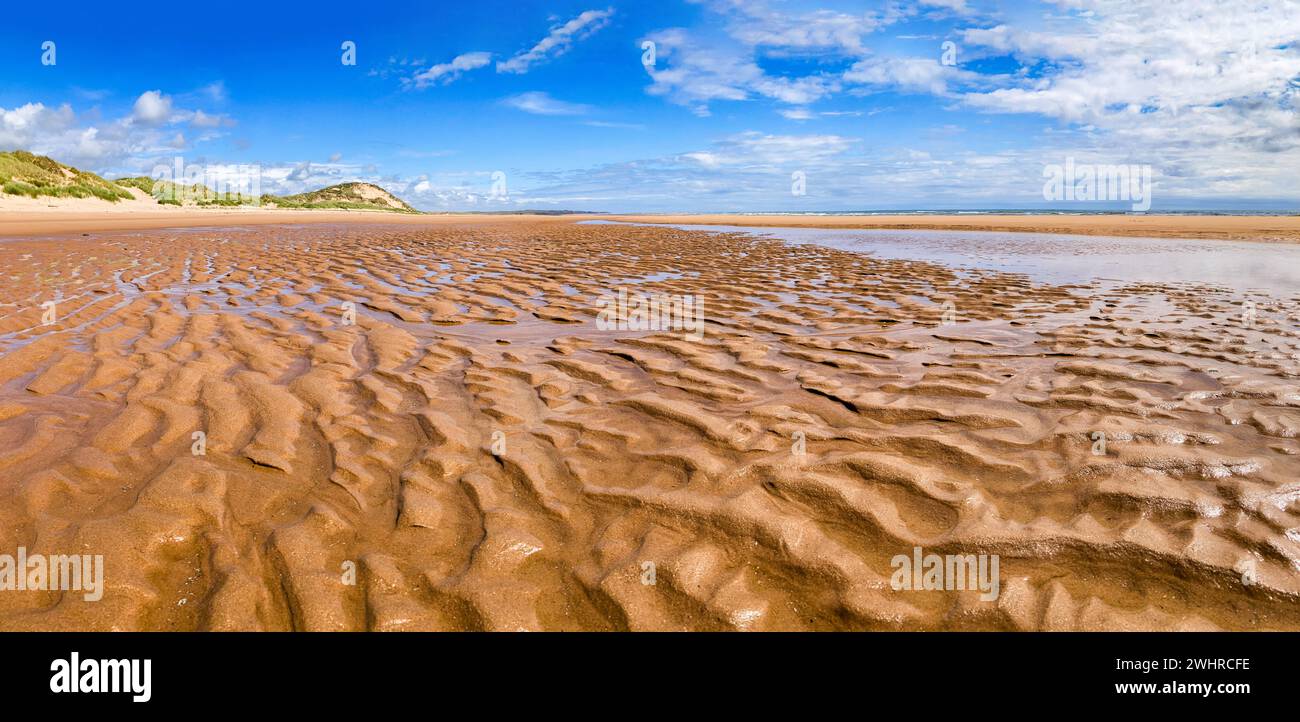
854, 96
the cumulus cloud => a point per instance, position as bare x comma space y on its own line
152, 108
557, 41
910, 75
699, 72
697, 69
54, 132
1153, 58
1210, 107
129, 144
21, 125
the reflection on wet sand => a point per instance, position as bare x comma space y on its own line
438, 407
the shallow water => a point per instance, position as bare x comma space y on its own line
1065, 259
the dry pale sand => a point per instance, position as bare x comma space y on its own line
490, 459
29, 217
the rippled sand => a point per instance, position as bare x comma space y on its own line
489, 459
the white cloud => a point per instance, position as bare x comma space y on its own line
698, 68
130, 144
1214, 108
200, 119
1149, 79
19, 126
913, 75
1153, 57
819, 30
457, 190
700, 72
753, 150
540, 103
445, 73
558, 41
152, 108
54, 132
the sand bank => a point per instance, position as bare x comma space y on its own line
397, 427
1251, 228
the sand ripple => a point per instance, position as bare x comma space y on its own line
487, 458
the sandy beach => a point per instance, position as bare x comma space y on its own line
44, 216
31, 217
335, 423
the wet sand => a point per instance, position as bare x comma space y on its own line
1280, 228
26, 221
489, 458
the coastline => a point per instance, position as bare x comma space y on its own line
1270, 229
32, 220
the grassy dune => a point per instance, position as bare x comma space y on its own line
175, 194
355, 196
27, 174
23, 173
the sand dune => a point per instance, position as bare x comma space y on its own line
488, 457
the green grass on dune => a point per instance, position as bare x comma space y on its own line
345, 195
175, 194
281, 202
27, 174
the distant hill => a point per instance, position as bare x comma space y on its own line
26, 174
360, 196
